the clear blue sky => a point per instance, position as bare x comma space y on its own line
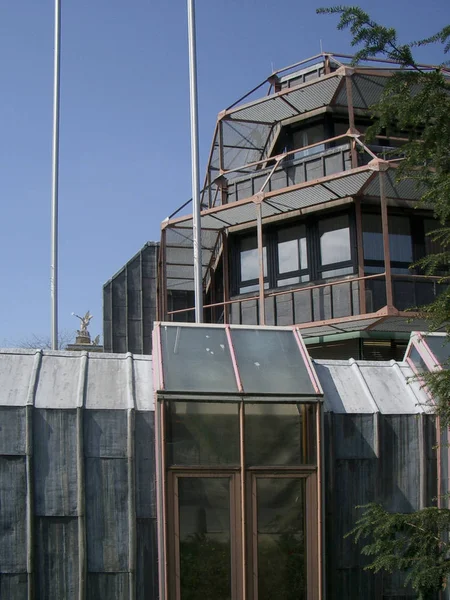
124, 138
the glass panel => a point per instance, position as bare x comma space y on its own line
292, 255
250, 260
205, 538
372, 237
270, 362
334, 236
400, 242
337, 272
281, 538
440, 347
280, 434
417, 360
196, 359
431, 247
200, 433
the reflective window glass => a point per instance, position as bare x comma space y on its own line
292, 252
270, 362
281, 538
202, 433
334, 236
280, 434
204, 538
400, 242
440, 347
250, 260
196, 359
417, 360
372, 237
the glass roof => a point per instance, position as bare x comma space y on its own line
234, 360
428, 352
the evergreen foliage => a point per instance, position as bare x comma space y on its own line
413, 543
415, 102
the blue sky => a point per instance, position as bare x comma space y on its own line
124, 133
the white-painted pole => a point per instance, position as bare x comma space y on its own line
196, 225
55, 174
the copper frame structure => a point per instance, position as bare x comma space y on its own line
242, 480
341, 88
419, 344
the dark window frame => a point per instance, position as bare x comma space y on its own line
273, 279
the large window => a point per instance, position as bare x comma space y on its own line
300, 253
408, 241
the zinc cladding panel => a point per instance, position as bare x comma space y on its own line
58, 380
343, 392
307, 98
16, 370
13, 494
267, 111
107, 514
12, 430
390, 388
366, 91
56, 558
403, 190
107, 383
55, 468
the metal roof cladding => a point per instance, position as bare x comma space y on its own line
60, 379
67, 380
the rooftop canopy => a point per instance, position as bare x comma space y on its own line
224, 360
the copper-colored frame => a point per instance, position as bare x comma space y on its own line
243, 515
381, 68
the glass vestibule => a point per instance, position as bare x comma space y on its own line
238, 463
242, 500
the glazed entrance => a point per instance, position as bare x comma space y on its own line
239, 509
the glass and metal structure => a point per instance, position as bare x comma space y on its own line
238, 413
303, 221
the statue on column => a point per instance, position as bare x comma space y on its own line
83, 335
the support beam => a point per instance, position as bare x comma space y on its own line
385, 231
262, 317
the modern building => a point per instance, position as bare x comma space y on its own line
229, 464
302, 221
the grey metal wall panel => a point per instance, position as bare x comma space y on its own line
400, 463
145, 465
129, 304
107, 514
14, 587
56, 561
147, 560
12, 430
108, 586
55, 468
355, 485
105, 433
13, 491
354, 436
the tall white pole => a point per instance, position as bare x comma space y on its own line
196, 224
55, 173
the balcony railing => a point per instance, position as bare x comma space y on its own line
348, 297
323, 158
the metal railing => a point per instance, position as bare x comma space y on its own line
345, 297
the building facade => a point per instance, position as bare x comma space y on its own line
303, 221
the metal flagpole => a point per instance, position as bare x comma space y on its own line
55, 167
196, 226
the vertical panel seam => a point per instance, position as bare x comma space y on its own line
31, 401
81, 483
131, 477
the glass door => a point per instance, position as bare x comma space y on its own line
283, 533
204, 536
